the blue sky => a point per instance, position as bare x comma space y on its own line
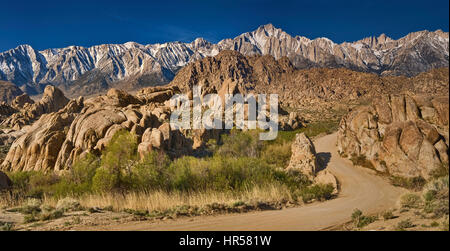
50, 24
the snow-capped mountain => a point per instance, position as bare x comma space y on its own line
83, 71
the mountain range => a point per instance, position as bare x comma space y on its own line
79, 70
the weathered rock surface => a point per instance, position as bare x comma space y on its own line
326, 177
52, 100
20, 101
8, 91
399, 134
303, 156
58, 139
7, 136
38, 148
6, 110
305, 159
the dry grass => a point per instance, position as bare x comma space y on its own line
160, 200
8, 199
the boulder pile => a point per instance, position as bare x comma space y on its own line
401, 135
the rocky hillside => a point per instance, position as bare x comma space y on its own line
86, 71
401, 135
52, 100
317, 89
8, 91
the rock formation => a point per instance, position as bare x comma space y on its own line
20, 101
401, 135
38, 148
303, 156
52, 100
5, 182
304, 159
6, 110
319, 91
8, 91
56, 140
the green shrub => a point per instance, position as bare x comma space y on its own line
105, 180
277, 154
360, 220
226, 174
445, 225
415, 183
116, 163
239, 163
442, 171
120, 153
438, 207
435, 194
356, 214
411, 201
361, 160
318, 191
240, 144
30, 206
429, 195
52, 215
405, 224
84, 169
20, 180
151, 172
30, 218
434, 224
6, 226
388, 215
437, 185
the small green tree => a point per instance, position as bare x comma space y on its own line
240, 144
116, 162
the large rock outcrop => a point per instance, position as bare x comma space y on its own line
305, 159
38, 148
103, 116
303, 156
6, 110
8, 91
20, 101
52, 100
58, 139
401, 135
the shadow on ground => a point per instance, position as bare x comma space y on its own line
323, 159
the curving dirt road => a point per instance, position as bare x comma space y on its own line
359, 189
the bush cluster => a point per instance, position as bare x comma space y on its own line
360, 220
239, 163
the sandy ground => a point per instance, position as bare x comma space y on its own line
359, 188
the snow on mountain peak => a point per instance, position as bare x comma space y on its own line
28, 68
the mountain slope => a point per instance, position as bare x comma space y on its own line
8, 91
85, 71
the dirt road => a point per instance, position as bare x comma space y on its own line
359, 189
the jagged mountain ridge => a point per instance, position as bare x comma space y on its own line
84, 71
